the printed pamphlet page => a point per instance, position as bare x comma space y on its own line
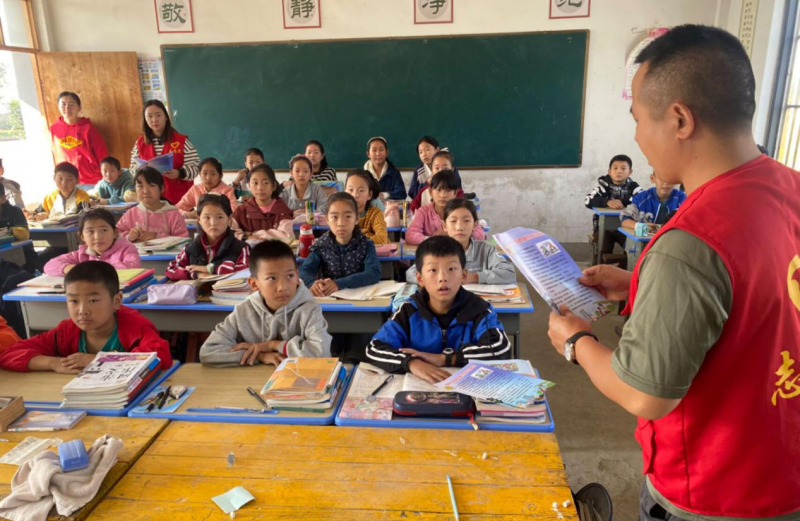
552, 272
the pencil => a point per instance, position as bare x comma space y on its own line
453, 497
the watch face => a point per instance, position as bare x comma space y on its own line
568, 347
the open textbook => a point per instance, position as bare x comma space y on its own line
162, 163
552, 272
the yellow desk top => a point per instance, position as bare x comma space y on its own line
35, 386
342, 473
226, 387
137, 436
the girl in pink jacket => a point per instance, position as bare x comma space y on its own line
429, 219
100, 243
210, 183
154, 217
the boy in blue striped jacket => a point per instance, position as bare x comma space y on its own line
442, 324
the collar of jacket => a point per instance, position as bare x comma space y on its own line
470, 305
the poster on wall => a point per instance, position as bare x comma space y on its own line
174, 16
570, 8
630, 64
151, 76
302, 14
433, 11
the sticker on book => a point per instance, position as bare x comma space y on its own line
482, 373
548, 248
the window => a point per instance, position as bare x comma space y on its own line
783, 138
16, 24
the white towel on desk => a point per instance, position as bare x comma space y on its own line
40, 482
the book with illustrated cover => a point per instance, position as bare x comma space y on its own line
47, 421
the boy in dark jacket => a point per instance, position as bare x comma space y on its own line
442, 324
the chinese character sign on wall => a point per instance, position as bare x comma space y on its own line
302, 14
570, 8
174, 16
433, 11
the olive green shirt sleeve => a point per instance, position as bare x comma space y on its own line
682, 303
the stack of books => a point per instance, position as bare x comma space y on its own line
305, 384
497, 293
534, 412
232, 290
56, 222
111, 381
132, 282
11, 408
162, 246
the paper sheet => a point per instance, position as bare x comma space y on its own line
491, 383
356, 405
233, 500
27, 449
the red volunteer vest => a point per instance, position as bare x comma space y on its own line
732, 446
174, 189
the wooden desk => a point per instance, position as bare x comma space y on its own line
634, 246
57, 237
227, 387
609, 221
342, 474
13, 252
137, 436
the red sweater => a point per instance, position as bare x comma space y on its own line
136, 334
82, 145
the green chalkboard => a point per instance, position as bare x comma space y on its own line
495, 101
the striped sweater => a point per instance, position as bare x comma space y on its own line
373, 225
191, 159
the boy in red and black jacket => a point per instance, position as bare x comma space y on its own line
97, 322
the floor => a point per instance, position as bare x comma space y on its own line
595, 434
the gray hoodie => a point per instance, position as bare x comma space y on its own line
300, 323
482, 258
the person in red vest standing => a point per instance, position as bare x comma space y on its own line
710, 358
160, 138
77, 141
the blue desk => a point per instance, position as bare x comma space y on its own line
41, 390
608, 220
158, 262
12, 252
227, 387
633, 246
44, 312
57, 237
463, 424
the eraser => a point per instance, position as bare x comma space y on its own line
73, 455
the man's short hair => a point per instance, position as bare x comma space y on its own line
97, 272
707, 69
621, 157
268, 251
439, 246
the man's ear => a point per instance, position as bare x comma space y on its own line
464, 274
419, 280
117, 301
685, 122
252, 282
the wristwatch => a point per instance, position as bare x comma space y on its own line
448, 356
569, 345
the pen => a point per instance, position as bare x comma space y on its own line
164, 398
258, 397
381, 386
234, 410
152, 404
453, 497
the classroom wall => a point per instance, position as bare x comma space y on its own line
549, 199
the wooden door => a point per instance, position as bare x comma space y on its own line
110, 92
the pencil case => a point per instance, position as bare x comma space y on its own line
172, 294
416, 403
73, 456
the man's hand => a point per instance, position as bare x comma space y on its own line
251, 352
271, 358
612, 282
432, 358
564, 326
616, 204
427, 372
76, 361
195, 268
172, 174
41, 216
323, 287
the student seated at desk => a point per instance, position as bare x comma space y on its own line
154, 217
302, 189
365, 189
653, 206
429, 219
13, 217
67, 199
8, 337
100, 243
442, 160
13, 190
116, 185
280, 319
320, 171
265, 210
215, 250
252, 158
484, 264
210, 183
615, 191
343, 256
97, 322
378, 164
412, 340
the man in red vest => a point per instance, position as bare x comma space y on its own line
710, 358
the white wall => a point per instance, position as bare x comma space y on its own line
549, 199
